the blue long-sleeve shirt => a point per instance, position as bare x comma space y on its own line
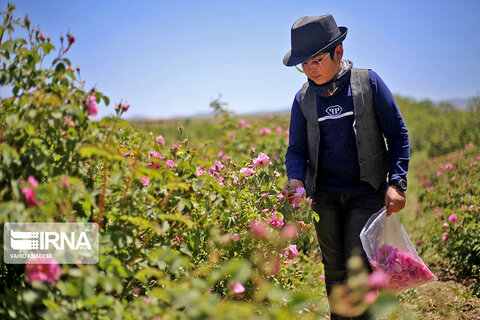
338, 167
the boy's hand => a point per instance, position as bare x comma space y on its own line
394, 200
291, 186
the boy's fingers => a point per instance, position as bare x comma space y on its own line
389, 212
389, 206
286, 189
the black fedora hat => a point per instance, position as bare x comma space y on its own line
312, 35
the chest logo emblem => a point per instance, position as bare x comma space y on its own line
334, 110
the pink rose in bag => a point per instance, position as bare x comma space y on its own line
389, 249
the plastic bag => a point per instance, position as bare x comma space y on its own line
389, 249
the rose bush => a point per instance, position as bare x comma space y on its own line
453, 200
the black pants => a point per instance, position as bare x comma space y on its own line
342, 217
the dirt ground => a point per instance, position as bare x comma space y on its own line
440, 300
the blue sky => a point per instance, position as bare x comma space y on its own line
171, 58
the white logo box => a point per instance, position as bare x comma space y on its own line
50, 242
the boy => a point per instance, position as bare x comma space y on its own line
339, 122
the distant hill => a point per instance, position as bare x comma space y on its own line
460, 104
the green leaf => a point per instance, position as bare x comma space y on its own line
181, 206
176, 217
11, 120
146, 274
89, 151
8, 46
152, 173
5, 148
98, 301
57, 115
385, 304
47, 47
154, 226
52, 305
60, 67
198, 184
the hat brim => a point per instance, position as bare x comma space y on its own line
291, 59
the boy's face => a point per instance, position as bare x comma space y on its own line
327, 69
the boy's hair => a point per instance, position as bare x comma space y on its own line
332, 51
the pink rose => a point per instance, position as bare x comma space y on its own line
29, 194
160, 140
403, 269
265, 131
91, 105
170, 163
274, 221
66, 182
273, 267
200, 171
453, 217
155, 165
33, 181
71, 39
444, 238
218, 165
377, 279
48, 271
247, 171
261, 160
126, 106
145, 181
297, 196
68, 121
371, 296
155, 154
237, 287
289, 231
258, 229
292, 251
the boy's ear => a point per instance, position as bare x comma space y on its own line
339, 52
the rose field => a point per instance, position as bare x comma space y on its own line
192, 220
